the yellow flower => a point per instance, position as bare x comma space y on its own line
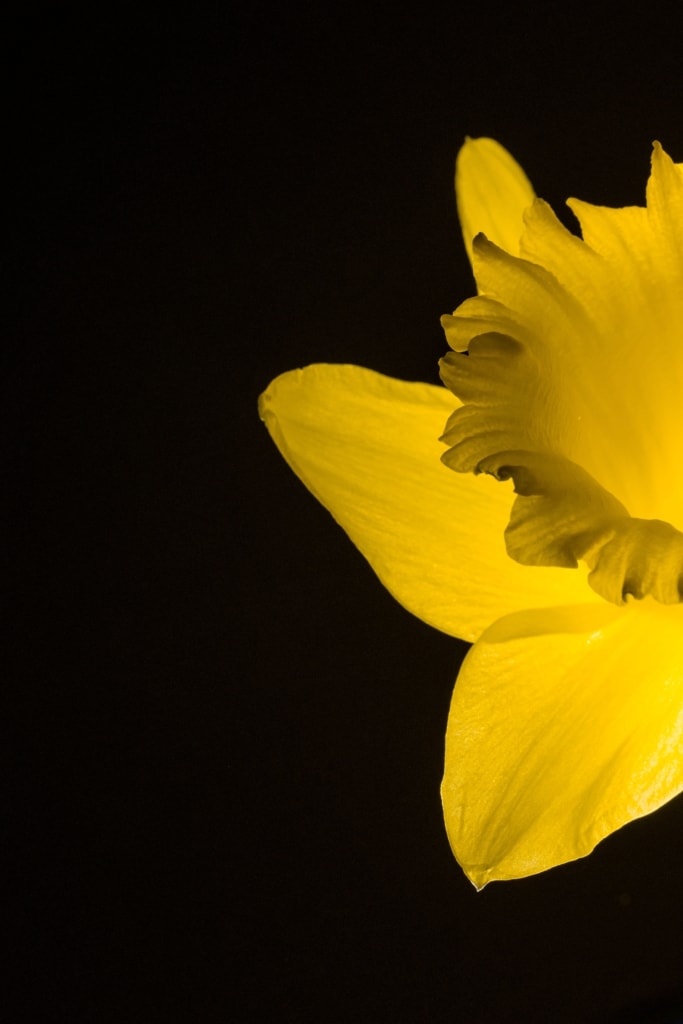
567, 716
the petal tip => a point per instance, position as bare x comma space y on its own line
492, 191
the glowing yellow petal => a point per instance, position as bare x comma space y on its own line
368, 448
646, 240
492, 192
564, 726
640, 278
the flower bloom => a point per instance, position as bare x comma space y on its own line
565, 379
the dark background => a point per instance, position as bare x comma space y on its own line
224, 739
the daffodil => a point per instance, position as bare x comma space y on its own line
565, 379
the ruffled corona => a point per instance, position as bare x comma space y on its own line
569, 363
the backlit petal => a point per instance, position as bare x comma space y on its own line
564, 726
368, 448
492, 192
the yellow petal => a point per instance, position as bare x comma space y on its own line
638, 347
646, 240
492, 192
564, 726
368, 448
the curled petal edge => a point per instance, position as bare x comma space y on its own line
562, 516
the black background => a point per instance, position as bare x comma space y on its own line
224, 739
